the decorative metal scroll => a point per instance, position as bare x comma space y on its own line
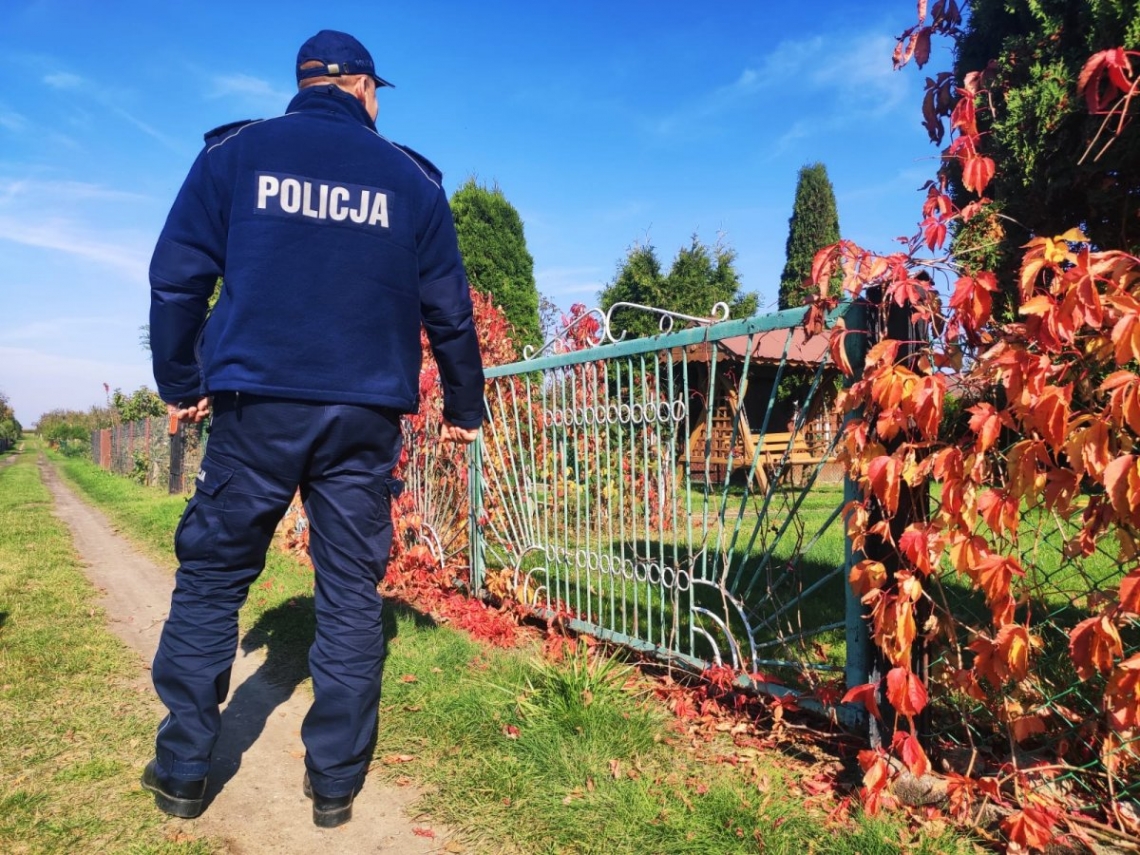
605, 332
657, 492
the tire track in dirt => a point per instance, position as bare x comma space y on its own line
254, 800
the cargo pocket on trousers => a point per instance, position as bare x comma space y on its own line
196, 537
391, 489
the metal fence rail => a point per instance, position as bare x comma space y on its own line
663, 494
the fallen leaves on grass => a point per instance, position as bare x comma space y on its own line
393, 759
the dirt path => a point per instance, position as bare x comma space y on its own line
254, 800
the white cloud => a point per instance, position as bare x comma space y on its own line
562, 284
52, 330
125, 254
789, 58
785, 62
37, 382
857, 85
747, 81
65, 141
112, 102
62, 191
13, 122
625, 211
149, 130
910, 178
852, 65
840, 80
251, 90
69, 219
861, 70
64, 80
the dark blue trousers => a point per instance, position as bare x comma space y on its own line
260, 451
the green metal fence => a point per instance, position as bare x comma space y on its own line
677, 494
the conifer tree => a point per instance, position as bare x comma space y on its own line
813, 225
495, 255
1041, 131
700, 277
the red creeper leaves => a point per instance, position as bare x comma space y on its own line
1122, 484
1123, 694
907, 746
986, 421
906, 692
1130, 593
1030, 829
865, 695
1052, 405
977, 172
1105, 76
973, 300
1094, 646
1124, 399
876, 777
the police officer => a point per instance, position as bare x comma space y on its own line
334, 246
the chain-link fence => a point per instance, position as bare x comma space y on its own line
1051, 725
149, 452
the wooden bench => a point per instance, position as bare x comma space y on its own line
774, 456
774, 447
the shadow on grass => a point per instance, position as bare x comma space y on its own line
285, 633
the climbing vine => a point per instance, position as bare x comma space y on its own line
1043, 481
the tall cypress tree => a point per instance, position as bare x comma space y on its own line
495, 256
813, 225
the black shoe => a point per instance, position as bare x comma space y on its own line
328, 811
174, 796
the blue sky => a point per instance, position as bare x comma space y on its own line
604, 123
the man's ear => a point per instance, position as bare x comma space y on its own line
360, 90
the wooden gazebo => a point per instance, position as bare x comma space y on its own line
744, 402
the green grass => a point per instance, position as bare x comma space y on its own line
76, 713
591, 768
521, 756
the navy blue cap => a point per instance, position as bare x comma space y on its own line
339, 53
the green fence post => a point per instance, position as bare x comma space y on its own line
857, 667
475, 513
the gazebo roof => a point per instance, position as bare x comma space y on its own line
768, 347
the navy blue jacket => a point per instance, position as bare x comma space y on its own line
335, 245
